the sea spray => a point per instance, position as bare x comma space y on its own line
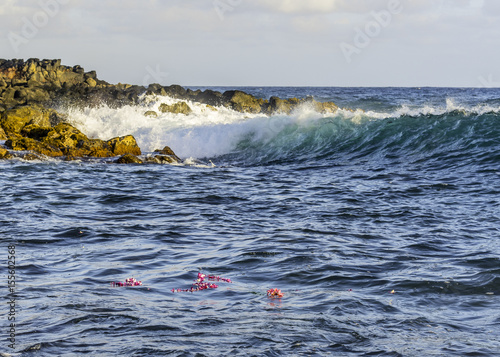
303, 135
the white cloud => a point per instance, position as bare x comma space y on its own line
298, 6
189, 40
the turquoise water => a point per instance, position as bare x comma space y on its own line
380, 227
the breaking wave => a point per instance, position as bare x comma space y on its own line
452, 130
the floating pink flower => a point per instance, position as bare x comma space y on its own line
200, 283
275, 293
128, 282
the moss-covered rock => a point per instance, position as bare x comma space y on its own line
31, 157
64, 139
14, 120
242, 102
278, 105
48, 83
29, 144
35, 131
91, 82
167, 151
129, 159
161, 159
3, 136
65, 135
3, 153
325, 107
177, 108
124, 145
91, 148
151, 114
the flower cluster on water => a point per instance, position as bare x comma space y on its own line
275, 293
201, 284
128, 282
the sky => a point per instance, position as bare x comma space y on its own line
444, 43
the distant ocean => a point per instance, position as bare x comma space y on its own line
380, 224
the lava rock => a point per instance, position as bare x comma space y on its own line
129, 159
242, 102
177, 108
169, 152
124, 145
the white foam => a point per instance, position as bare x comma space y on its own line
203, 133
207, 133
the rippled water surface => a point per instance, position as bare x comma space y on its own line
382, 235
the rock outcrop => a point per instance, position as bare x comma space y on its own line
66, 140
3, 135
50, 84
3, 153
177, 108
129, 159
167, 155
31, 89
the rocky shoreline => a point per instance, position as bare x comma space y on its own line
32, 128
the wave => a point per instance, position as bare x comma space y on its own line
226, 135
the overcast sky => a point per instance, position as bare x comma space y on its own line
263, 42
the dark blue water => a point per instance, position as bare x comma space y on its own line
380, 227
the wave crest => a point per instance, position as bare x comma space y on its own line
305, 134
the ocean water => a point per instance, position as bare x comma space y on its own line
379, 223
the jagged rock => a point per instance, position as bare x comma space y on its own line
49, 83
326, 107
175, 91
14, 120
124, 145
161, 159
35, 95
3, 153
16, 82
29, 144
70, 158
91, 75
168, 152
167, 159
278, 105
35, 131
31, 157
157, 89
129, 159
12, 97
209, 107
90, 148
36, 81
65, 135
177, 108
71, 141
91, 82
242, 102
208, 97
322, 107
151, 114
74, 143
3, 136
